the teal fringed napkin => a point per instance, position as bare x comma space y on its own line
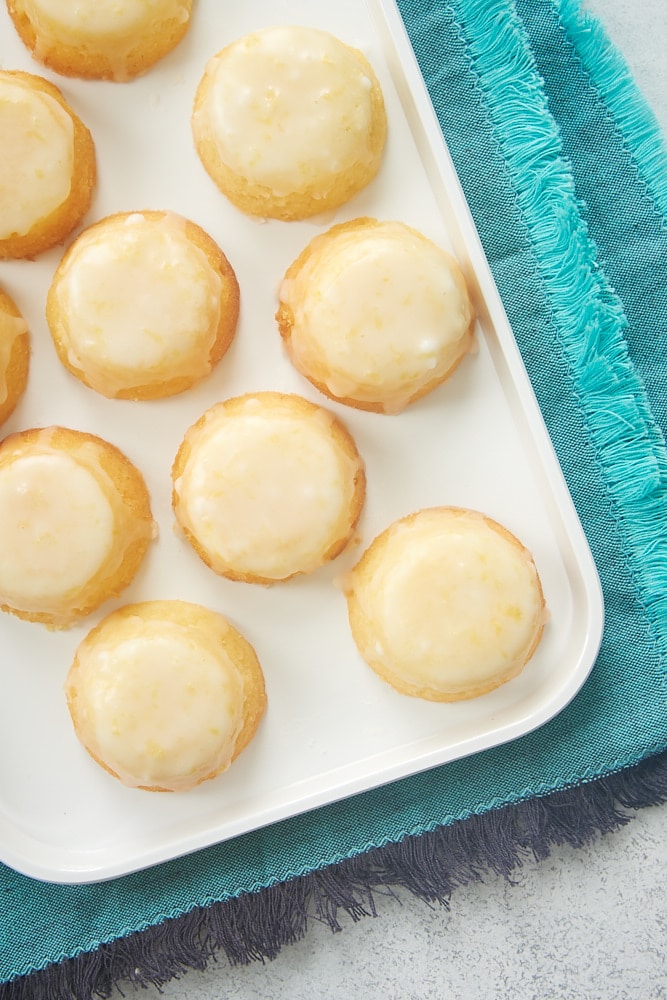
565, 174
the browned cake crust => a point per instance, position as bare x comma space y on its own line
54, 228
363, 588
125, 486
315, 370
201, 624
14, 378
273, 402
162, 383
323, 194
101, 57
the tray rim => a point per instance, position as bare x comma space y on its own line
73, 874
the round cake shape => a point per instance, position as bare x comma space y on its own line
75, 524
143, 305
47, 167
446, 604
14, 355
267, 486
289, 122
165, 694
100, 39
375, 315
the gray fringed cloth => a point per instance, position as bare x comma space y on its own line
563, 167
256, 926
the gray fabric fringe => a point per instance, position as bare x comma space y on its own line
255, 927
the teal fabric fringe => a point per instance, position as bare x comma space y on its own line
256, 926
611, 77
630, 448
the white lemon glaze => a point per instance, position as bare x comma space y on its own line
157, 704
37, 143
451, 602
378, 314
11, 327
73, 22
110, 29
136, 298
266, 492
56, 530
63, 521
288, 107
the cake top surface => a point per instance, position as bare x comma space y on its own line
451, 598
37, 142
377, 310
289, 106
160, 703
100, 19
134, 294
11, 327
267, 487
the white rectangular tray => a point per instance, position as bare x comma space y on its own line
332, 728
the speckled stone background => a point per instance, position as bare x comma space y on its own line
587, 924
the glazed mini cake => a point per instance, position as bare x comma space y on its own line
75, 524
100, 39
47, 166
289, 122
267, 486
143, 305
446, 604
14, 356
375, 315
165, 695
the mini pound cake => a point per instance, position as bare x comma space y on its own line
47, 166
165, 694
289, 122
14, 356
143, 305
267, 486
445, 604
75, 524
100, 39
375, 315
